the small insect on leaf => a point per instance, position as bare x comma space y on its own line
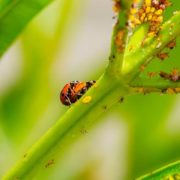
175, 76
142, 68
49, 163
165, 75
83, 131
116, 6
171, 44
162, 56
151, 74
73, 91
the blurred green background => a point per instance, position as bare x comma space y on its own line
70, 40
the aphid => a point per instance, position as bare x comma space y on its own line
141, 90
152, 74
73, 91
119, 40
175, 76
117, 6
171, 44
83, 131
142, 68
49, 163
165, 75
121, 100
104, 107
25, 155
162, 56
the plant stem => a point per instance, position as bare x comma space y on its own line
104, 93
142, 55
154, 83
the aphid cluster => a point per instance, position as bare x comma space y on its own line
116, 6
173, 76
74, 91
119, 41
151, 11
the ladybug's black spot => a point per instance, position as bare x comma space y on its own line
79, 96
82, 91
69, 91
89, 84
72, 84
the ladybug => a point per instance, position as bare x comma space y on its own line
73, 91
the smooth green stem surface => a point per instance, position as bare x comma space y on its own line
104, 94
154, 83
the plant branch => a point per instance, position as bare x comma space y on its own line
144, 53
119, 39
155, 85
104, 94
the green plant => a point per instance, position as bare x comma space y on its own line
129, 54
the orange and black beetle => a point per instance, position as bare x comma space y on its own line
74, 91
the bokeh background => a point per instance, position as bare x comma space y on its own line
70, 40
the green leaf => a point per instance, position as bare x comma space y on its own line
14, 17
170, 172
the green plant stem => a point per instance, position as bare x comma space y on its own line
116, 56
15, 17
109, 89
104, 94
143, 54
172, 171
154, 83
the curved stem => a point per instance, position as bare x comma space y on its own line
104, 94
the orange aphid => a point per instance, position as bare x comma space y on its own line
120, 40
141, 90
116, 6
150, 12
165, 75
142, 68
175, 76
152, 74
162, 56
171, 44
